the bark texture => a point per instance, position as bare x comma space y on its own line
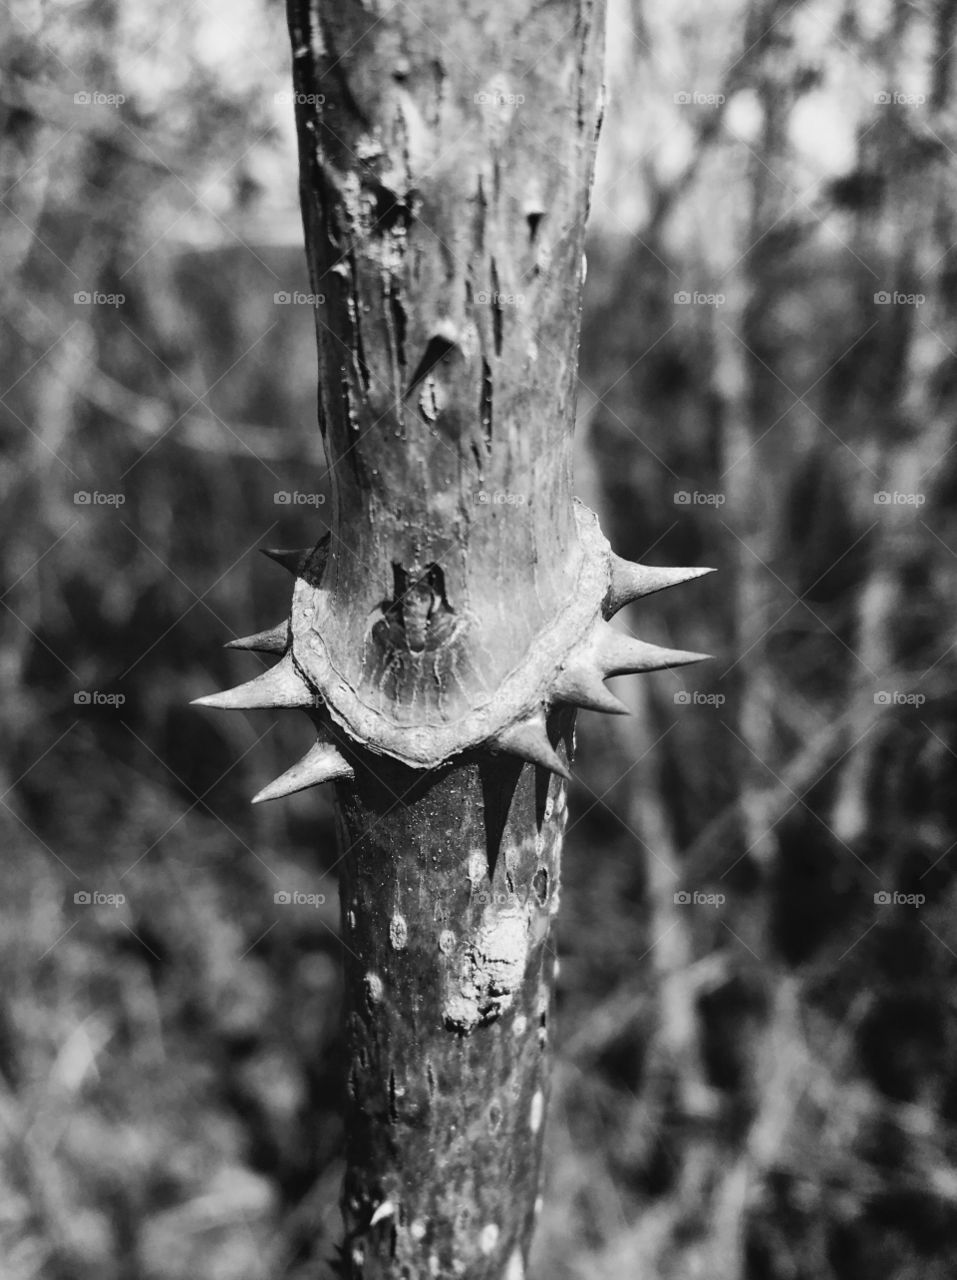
445, 631
449, 888
446, 154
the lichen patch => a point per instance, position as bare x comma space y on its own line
488, 971
398, 932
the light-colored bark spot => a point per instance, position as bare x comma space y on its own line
489, 970
537, 1111
398, 932
520, 1026
374, 988
418, 1229
478, 866
489, 1238
446, 942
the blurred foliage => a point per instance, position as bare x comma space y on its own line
762, 1086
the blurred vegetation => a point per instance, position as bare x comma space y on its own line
758, 1084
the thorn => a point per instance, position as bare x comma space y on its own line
294, 561
274, 640
631, 581
280, 686
618, 654
529, 740
580, 683
321, 763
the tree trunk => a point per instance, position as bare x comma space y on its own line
446, 630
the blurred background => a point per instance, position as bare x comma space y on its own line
756, 1072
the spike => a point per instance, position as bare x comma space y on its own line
580, 683
529, 740
631, 581
618, 654
294, 561
274, 640
280, 686
322, 763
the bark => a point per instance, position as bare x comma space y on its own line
445, 631
446, 240
447, 898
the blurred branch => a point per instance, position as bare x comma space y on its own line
152, 417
